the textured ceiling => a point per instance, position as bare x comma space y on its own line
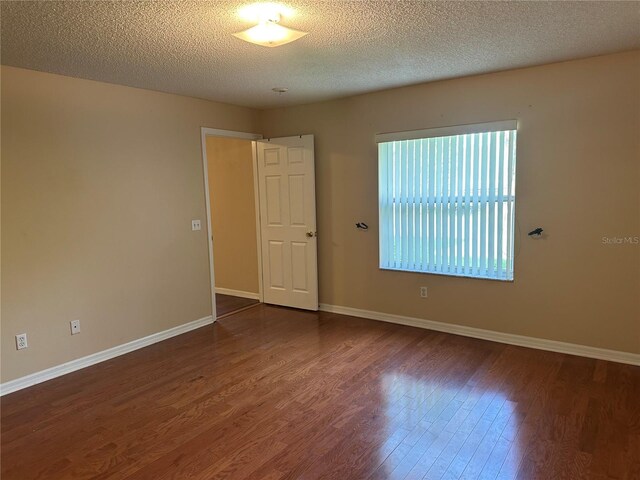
353, 47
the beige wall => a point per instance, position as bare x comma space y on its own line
100, 183
233, 213
99, 186
578, 177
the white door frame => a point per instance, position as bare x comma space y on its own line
213, 132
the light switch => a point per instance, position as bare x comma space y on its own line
196, 225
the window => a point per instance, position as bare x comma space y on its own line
447, 200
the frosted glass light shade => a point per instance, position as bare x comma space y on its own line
269, 34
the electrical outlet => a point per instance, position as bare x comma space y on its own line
21, 341
423, 292
196, 225
75, 327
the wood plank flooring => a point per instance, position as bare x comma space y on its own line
273, 393
227, 304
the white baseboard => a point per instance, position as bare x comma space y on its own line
511, 339
237, 293
73, 365
520, 340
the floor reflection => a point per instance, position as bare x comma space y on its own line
437, 430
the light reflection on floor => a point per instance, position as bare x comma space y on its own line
447, 431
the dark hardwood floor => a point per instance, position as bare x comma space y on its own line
274, 393
228, 304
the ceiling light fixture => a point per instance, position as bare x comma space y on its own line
268, 32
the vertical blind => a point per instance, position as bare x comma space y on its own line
447, 200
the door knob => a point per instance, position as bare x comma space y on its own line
312, 234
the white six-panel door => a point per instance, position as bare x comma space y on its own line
288, 221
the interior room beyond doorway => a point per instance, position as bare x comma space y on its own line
233, 223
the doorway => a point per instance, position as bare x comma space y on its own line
232, 220
277, 238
